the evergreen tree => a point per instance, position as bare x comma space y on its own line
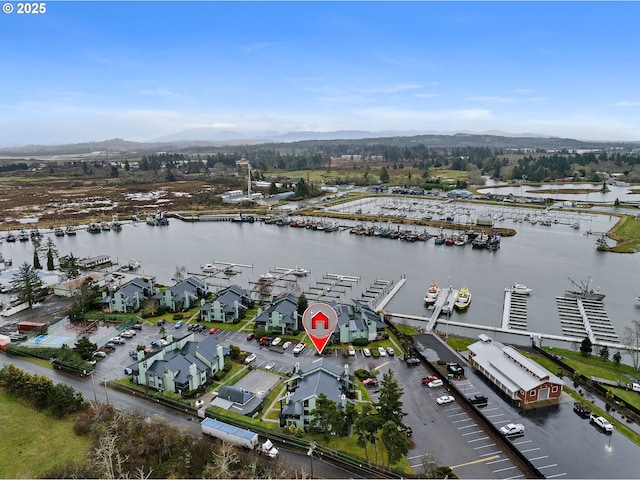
384, 175
586, 347
604, 353
50, 250
28, 285
302, 304
69, 265
389, 403
36, 260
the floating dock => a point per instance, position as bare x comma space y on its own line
585, 318
331, 287
514, 311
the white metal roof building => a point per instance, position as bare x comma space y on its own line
514, 374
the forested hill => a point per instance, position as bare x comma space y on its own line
119, 146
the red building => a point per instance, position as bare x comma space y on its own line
523, 380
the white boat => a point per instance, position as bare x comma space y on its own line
267, 276
432, 293
210, 268
132, 264
301, 272
518, 288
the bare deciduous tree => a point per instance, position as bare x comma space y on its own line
631, 340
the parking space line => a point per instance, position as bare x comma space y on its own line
485, 446
538, 458
466, 426
456, 414
477, 439
529, 450
490, 453
498, 461
497, 415
522, 442
481, 460
505, 469
414, 456
501, 421
548, 466
518, 476
468, 419
472, 433
557, 475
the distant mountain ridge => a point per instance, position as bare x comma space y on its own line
304, 139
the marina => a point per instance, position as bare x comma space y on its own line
542, 257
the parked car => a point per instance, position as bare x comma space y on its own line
390, 351
352, 351
298, 348
455, 369
582, 410
286, 345
117, 340
137, 326
512, 429
133, 354
99, 354
408, 431
270, 365
276, 341
445, 399
601, 423
412, 362
161, 322
435, 383
479, 399
366, 352
370, 382
251, 336
127, 334
179, 324
250, 358
213, 330
428, 378
127, 371
264, 340
382, 352
109, 346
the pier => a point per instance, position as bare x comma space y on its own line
373, 294
514, 312
585, 318
331, 287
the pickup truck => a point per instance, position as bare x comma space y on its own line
479, 400
601, 423
582, 410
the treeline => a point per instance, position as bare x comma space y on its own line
12, 167
129, 446
40, 391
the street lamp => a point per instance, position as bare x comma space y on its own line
312, 447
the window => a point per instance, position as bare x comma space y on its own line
533, 393
554, 389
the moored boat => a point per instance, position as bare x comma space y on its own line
463, 299
70, 230
300, 272
520, 288
432, 293
586, 291
94, 228
58, 232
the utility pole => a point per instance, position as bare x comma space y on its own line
312, 447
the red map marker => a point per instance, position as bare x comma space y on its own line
319, 321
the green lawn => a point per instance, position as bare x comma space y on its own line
34, 443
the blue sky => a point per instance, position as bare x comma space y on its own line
87, 71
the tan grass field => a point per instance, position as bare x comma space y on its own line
33, 443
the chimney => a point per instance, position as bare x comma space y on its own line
220, 353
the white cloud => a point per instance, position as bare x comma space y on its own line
627, 103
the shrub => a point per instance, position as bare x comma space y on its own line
442, 362
362, 373
219, 375
360, 342
178, 316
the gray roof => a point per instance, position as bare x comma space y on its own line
316, 383
509, 367
234, 394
